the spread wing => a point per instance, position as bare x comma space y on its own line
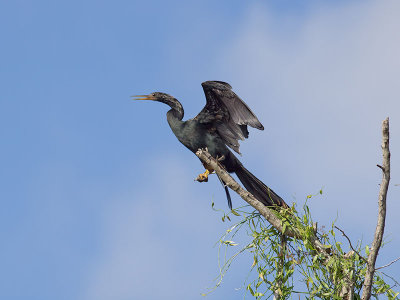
226, 113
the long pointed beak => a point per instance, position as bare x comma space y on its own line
143, 97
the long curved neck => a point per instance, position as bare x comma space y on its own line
174, 118
176, 112
175, 115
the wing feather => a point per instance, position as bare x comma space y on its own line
227, 113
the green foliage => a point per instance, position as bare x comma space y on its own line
277, 260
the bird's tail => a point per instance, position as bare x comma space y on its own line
258, 189
228, 196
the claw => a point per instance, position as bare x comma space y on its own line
203, 177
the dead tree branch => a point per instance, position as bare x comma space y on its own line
272, 218
380, 227
266, 212
387, 265
347, 291
351, 246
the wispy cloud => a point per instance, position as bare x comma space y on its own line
322, 84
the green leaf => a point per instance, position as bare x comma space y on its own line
309, 280
330, 262
235, 212
250, 289
315, 259
254, 261
230, 243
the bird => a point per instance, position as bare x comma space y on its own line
218, 128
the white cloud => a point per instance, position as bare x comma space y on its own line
322, 85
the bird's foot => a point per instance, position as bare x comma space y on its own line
203, 177
221, 158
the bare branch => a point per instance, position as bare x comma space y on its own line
347, 291
266, 212
281, 264
249, 198
387, 265
269, 213
351, 246
380, 227
394, 280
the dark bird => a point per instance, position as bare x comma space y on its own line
219, 125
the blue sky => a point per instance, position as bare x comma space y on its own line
98, 199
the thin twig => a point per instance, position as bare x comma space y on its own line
266, 212
380, 227
347, 291
281, 265
351, 246
387, 265
249, 198
394, 280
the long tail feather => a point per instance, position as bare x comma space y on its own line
258, 189
228, 196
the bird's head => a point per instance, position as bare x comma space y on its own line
164, 98
156, 96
